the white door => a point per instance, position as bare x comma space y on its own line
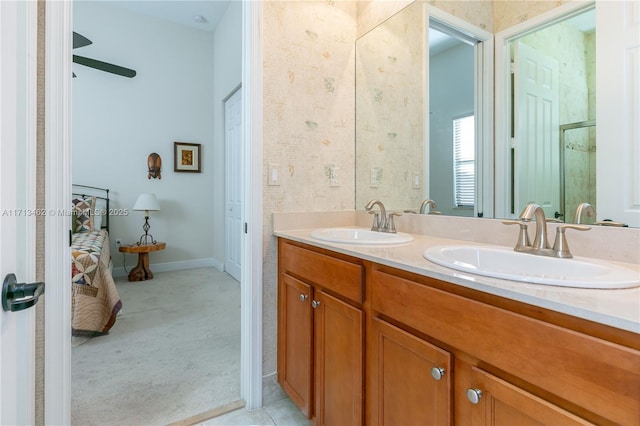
233, 183
537, 124
17, 202
617, 111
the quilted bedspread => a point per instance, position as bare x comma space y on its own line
95, 301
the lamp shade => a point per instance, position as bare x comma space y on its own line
146, 202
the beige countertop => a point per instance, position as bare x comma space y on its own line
616, 308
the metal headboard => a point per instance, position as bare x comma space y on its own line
94, 193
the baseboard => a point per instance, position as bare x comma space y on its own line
175, 266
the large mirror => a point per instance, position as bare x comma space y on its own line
422, 127
405, 134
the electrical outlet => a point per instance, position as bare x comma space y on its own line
118, 242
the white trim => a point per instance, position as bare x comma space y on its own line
175, 266
252, 208
57, 387
503, 95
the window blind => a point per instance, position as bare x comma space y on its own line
464, 161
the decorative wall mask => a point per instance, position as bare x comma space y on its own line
155, 165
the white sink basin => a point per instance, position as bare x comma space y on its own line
360, 236
505, 263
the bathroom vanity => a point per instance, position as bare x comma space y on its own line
379, 335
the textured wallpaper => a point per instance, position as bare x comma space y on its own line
390, 111
308, 122
507, 13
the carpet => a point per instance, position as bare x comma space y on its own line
174, 352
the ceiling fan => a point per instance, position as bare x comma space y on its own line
81, 41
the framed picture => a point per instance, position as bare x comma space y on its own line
186, 157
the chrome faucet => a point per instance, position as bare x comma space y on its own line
540, 244
583, 209
428, 203
534, 210
381, 221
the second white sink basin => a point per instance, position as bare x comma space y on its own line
360, 236
505, 263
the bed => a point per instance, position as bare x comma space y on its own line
95, 299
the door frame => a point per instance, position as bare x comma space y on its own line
503, 104
58, 41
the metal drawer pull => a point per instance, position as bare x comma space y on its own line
437, 373
315, 304
303, 297
474, 395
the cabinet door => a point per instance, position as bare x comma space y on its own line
500, 403
339, 331
295, 339
404, 389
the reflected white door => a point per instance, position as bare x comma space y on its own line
17, 200
233, 183
537, 124
617, 111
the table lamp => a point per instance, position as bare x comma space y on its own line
146, 202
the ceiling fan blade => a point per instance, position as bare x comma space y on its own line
80, 40
104, 66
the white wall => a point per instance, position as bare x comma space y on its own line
227, 69
118, 122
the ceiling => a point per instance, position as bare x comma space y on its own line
178, 11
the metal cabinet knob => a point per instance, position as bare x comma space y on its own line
303, 297
474, 395
315, 304
437, 373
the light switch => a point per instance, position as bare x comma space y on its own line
333, 176
376, 177
274, 177
416, 180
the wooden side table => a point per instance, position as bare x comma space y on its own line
141, 271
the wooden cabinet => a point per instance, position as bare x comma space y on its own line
295, 341
321, 334
410, 379
498, 402
339, 364
520, 359
436, 353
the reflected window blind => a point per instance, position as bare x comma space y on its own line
464, 161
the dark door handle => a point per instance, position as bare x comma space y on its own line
19, 296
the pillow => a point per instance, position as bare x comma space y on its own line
81, 214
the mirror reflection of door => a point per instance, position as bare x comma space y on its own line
536, 150
553, 94
452, 137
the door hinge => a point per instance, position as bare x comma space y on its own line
512, 67
246, 227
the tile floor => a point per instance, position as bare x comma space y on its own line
279, 413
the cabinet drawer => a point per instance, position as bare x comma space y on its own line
601, 376
339, 276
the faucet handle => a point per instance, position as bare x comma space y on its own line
391, 226
560, 246
523, 235
376, 221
